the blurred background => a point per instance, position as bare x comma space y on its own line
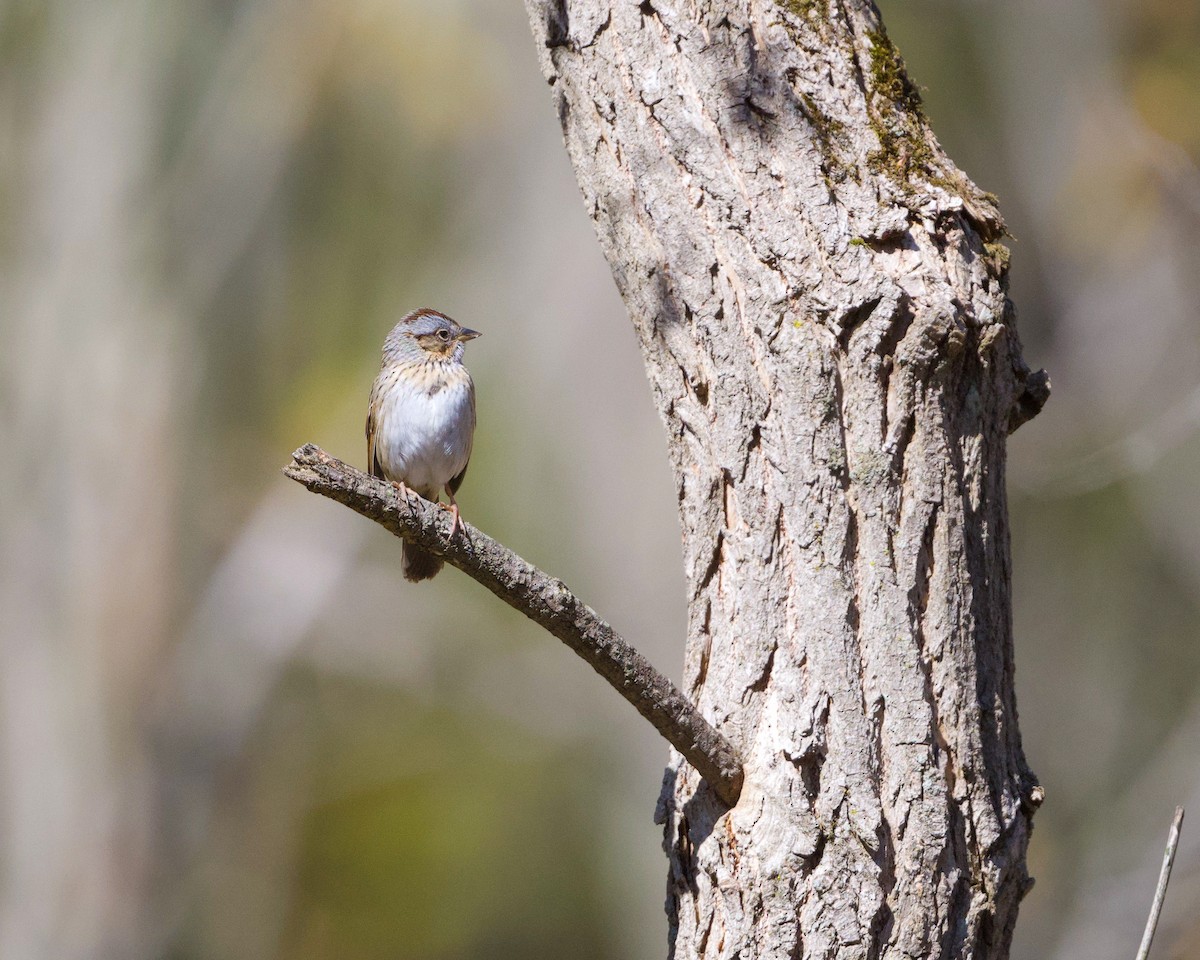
229, 729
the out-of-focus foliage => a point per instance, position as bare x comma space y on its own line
417, 831
231, 729
1159, 54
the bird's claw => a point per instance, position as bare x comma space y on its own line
453, 508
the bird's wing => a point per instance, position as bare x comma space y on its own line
456, 481
372, 427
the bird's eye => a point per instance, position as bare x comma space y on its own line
444, 336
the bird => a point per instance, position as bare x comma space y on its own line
421, 418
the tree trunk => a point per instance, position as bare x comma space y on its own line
822, 307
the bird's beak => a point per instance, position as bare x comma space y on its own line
467, 334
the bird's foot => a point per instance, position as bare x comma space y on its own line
453, 508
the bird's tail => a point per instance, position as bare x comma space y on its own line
419, 564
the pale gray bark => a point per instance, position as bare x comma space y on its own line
821, 304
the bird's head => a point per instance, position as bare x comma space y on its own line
427, 334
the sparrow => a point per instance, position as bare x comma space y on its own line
421, 418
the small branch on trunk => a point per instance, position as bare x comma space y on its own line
541, 597
1160, 892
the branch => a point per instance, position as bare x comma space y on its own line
1160, 892
542, 598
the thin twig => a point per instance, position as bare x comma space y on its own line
1160, 892
541, 597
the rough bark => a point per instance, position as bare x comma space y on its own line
821, 302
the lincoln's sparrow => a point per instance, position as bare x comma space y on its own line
422, 417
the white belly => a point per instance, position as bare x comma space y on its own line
423, 441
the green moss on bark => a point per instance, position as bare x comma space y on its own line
898, 120
806, 9
889, 76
